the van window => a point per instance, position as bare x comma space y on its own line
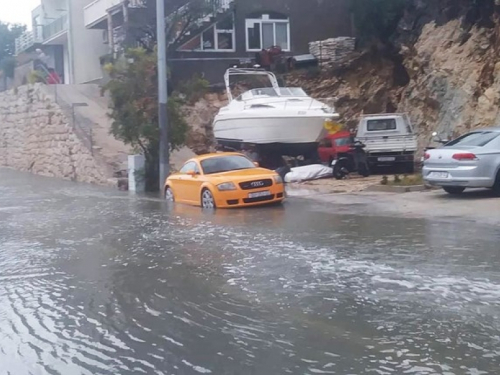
381, 124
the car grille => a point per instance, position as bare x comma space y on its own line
259, 199
249, 185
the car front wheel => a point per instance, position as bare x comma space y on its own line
454, 190
169, 195
496, 187
207, 200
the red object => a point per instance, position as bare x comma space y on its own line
334, 144
53, 79
427, 156
465, 156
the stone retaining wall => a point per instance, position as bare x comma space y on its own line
36, 136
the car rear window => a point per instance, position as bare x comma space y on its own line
381, 125
475, 139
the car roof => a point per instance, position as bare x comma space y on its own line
495, 129
215, 154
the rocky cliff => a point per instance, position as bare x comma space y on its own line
442, 68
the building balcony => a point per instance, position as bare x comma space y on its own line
27, 41
95, 14
53, 31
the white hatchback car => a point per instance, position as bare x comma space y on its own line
471, 161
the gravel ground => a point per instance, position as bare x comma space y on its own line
349, 197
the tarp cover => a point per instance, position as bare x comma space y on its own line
308, 172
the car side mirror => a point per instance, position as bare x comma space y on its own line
256, 164
191, 173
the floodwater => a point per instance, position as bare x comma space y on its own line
94, 281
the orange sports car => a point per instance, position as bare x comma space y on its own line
224, 180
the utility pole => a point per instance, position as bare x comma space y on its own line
161, 40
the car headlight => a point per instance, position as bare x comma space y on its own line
226, 186
278, 179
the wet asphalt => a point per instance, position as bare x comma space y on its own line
95, 281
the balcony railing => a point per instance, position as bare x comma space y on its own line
27, 40
98, 10
55, 27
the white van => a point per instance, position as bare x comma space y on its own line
389, 140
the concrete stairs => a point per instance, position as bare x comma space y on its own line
87, 111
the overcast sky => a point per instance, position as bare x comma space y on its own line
17, 11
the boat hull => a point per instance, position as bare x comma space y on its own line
270, 130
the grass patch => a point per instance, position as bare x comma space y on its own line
405, 180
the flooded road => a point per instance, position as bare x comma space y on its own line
94, 281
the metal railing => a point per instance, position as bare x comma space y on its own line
27, 40
81, 125
210, 9
55, 27
98, 9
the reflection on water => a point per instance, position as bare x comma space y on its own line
98, 282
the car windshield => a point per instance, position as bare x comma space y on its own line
476, 139
225, 164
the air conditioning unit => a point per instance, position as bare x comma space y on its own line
105, 37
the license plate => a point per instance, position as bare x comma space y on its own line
259, 194
439, 174
389, 158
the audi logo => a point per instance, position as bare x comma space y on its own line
257, 183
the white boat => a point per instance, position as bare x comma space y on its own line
285, 119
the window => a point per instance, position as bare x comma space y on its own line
343, 142
266, 32
218, 37
225, 164
325, 143
189, 166
476, 139
381, 125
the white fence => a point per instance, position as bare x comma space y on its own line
26, 40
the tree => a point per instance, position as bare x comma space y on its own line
182, 18
134, 109
377, 19
8, 35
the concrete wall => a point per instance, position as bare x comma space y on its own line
85, 45
35, 136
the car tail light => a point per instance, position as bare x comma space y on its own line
465, 156
427, 156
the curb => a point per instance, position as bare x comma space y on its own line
397, 189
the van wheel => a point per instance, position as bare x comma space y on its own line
454, 190
410, 167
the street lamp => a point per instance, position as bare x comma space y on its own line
161, 41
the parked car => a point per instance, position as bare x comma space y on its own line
389, 140
224, 180
334, 144
470, 161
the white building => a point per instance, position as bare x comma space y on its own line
58, 29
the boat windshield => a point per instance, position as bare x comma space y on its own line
221, 164
292, 91
269, 91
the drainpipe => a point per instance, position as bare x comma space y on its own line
111, 37
71, 51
